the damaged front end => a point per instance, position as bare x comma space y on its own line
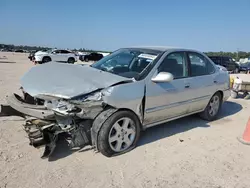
76, 105
54, 116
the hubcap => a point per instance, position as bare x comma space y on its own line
122, 134
214, 105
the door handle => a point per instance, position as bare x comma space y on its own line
215, 81
187, 86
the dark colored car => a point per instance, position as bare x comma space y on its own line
92, 57
226, 62
245, 67
19, 51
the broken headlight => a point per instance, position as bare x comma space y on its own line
61, 106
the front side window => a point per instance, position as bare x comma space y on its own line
56, 52
175, 63
200, 65
128, 63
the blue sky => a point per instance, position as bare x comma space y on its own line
206, 25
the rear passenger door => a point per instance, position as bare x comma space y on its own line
202, 80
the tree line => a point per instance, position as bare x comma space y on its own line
235, 55
11, 47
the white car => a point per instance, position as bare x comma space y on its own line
55, 55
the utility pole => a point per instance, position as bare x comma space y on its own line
237, 54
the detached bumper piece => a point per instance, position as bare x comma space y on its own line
42, 133
45, 133
38, 111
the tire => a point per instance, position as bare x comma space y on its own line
236, 70
86, 59
112, 137
206, 114
71, 60
46, 60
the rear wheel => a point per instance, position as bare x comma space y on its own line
71, 60
211, 111
119, 133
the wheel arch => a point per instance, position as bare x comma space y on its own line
100, 120
47, 57
71, 58
221, 94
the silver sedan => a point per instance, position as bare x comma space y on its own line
107, 104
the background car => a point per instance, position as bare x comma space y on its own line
226, 62
91, 57
55, 55
20, 51
245, 67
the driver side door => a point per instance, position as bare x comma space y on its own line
166, 100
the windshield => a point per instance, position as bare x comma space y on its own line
49, 51
128, 63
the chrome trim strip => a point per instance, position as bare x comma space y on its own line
167, 120
157, 108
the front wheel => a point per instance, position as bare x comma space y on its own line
119, 133
46, 60
212, 109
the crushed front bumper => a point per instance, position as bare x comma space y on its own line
37, 111
43, 126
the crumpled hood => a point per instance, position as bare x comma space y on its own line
66, 80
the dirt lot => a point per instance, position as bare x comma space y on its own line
185, 153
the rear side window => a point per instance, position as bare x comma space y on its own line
200, 65
216, 60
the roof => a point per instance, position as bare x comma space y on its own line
161, 48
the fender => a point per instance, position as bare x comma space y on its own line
97, 124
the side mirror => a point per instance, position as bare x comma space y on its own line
163, 77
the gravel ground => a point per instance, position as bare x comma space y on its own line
184, 153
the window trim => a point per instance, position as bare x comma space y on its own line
185, 62
189, 62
